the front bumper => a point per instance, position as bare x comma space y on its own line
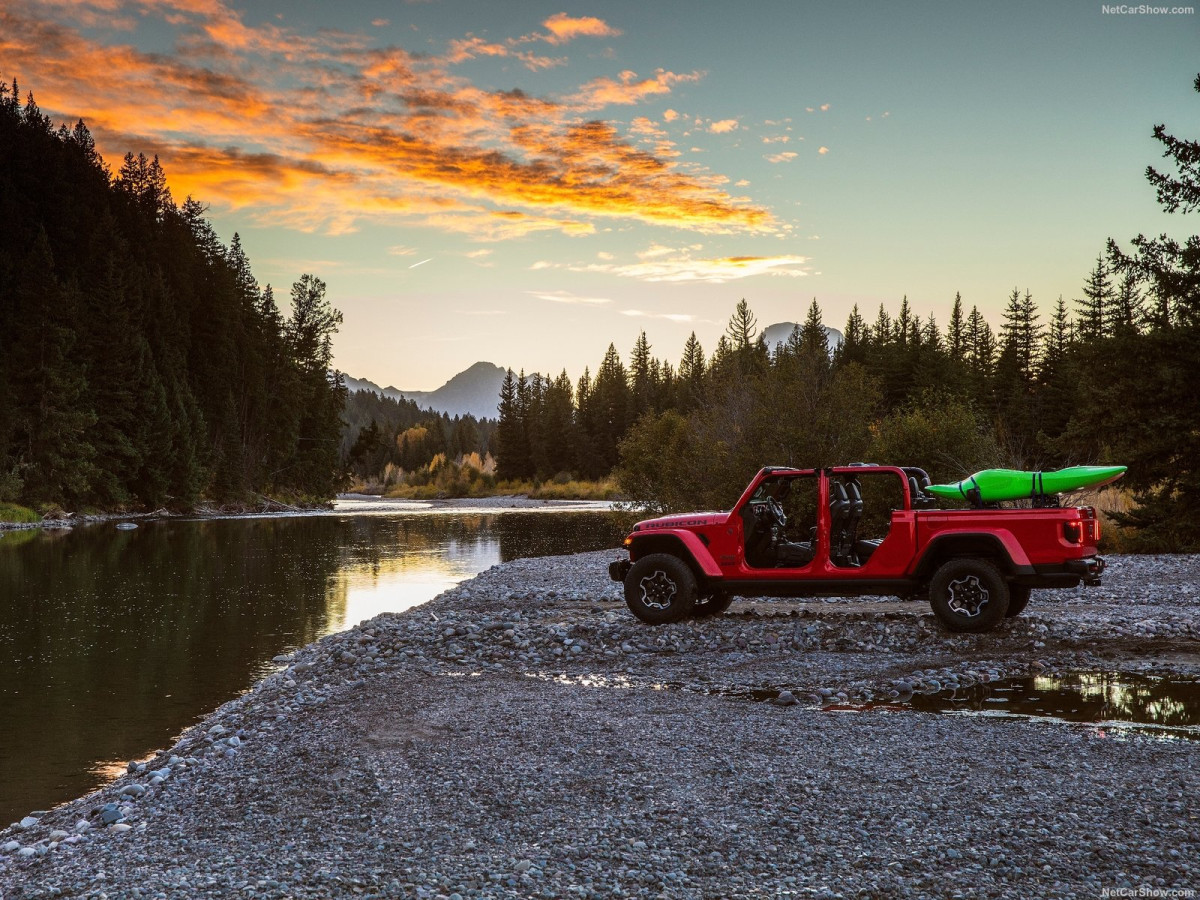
619, 569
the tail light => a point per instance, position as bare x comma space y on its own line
1073, 531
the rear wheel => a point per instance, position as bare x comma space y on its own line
1018, 599
713, 604
660, 588
969, 595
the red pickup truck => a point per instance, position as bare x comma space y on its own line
854, 530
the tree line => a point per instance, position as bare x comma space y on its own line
141, 363
1108, 377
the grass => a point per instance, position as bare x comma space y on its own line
11, 512
605, 489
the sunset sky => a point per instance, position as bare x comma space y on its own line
526, 182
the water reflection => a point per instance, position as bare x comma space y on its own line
111, 642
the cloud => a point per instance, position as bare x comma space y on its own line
320, 132
470, 47
568, 297
670, 115
724, 126
627, 89
535, 63
478, 254
785, 156
824, 107
673, 317
822, 150
563, 28
665, 264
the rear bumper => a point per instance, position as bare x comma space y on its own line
619, 569
1089, 569
1067, 574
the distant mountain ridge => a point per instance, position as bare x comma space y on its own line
476, 391
473, 392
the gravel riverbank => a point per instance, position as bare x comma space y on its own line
523, 736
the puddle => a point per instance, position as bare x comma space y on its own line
1169, 706
1114, 703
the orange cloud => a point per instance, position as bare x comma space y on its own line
322, 132
724, 126
627, 90
563, 28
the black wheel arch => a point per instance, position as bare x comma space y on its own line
645, 544
981, 545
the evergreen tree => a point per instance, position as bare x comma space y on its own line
1093, 310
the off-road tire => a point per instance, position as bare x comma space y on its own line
1018, 599
660, 588
969, 595
712, 605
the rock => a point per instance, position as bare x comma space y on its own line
27, 822
26, 852
133, 790
82, 825
120, 827
109, 814
59, 835
10, 847
785, 698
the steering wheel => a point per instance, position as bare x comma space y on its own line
777, 512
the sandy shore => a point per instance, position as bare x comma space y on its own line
523, 736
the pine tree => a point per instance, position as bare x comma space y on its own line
1093, 315
856, 338
641, 382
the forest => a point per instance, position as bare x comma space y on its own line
389, 442
141, 363
1106, 377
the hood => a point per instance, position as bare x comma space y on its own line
682, 520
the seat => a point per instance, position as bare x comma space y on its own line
840, 514
920, 500
861, 549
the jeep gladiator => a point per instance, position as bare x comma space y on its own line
857, 530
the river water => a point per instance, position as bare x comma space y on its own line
112, 642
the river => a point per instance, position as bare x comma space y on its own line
112, 642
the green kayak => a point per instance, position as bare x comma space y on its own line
1012, 484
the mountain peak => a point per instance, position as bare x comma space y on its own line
473, 392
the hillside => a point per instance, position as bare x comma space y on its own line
141, 364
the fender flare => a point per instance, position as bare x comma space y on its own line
684, 544
999, 543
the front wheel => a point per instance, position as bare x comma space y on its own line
969, 595
660, 588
